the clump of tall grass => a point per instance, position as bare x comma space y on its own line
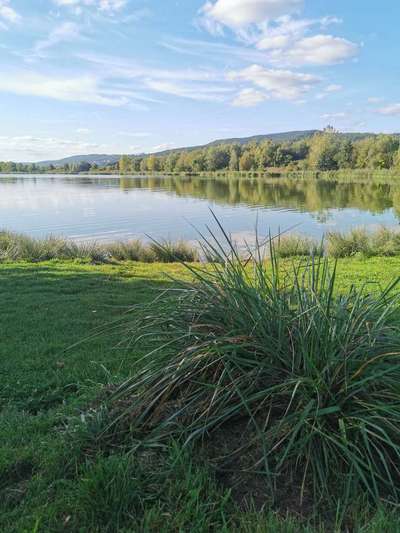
386, 242
356, 241
168, 251
293, 245
314, 375
14, 247
359, 241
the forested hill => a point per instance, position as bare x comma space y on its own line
104, 159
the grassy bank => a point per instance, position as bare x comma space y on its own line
14, 247
56, 472
383, 242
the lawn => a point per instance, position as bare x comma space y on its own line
55, 473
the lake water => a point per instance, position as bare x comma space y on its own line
114, 208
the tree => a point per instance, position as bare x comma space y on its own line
234, 158
125, 165
247, 161
217, 158
323, 151
345, 154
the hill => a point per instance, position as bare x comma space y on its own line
107, 159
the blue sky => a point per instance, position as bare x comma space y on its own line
128, 76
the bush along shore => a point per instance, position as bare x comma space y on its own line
288, 389
359, 241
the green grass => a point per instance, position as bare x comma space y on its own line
19, 247
55, 474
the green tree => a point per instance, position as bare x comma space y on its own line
247, 161
125, 165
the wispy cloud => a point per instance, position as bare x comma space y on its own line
86, 88
65, 32
317, 50
36, 147
201, 84
249, 98
107, 6
390, 110
8, 14
333, 116
138, 134
329, 90
278, 84
374, 100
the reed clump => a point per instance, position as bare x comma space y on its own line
309, 376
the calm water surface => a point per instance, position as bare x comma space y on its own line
114, 208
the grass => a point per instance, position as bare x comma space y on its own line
16, 247
55, 472
293, 245
311, 377
382, 242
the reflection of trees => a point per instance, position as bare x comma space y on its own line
315, 196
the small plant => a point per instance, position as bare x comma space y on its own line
312, 377
168, 252
298, 245
357, 241
386, 242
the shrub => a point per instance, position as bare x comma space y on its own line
314, 375
168, 252
298, 245
357, 241
386, 242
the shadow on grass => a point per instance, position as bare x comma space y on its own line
50, 314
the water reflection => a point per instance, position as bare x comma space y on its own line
126, 206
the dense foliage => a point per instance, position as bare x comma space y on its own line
327, 150
323, 151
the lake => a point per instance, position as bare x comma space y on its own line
105, 208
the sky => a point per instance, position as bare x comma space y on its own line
134, 76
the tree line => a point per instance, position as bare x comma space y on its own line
324, 151
327, 150
67, 168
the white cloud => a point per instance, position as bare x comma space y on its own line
390, 110
249, 98
284, 31
107, 6
7, 13
318, 50
329, 89
333, 88
374, 100
135, 134
270, 26
85, 88
31, 148
83, 131
162, 147
112, 5
241, 13
67, 31
200, 92
279, 84
333, 116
